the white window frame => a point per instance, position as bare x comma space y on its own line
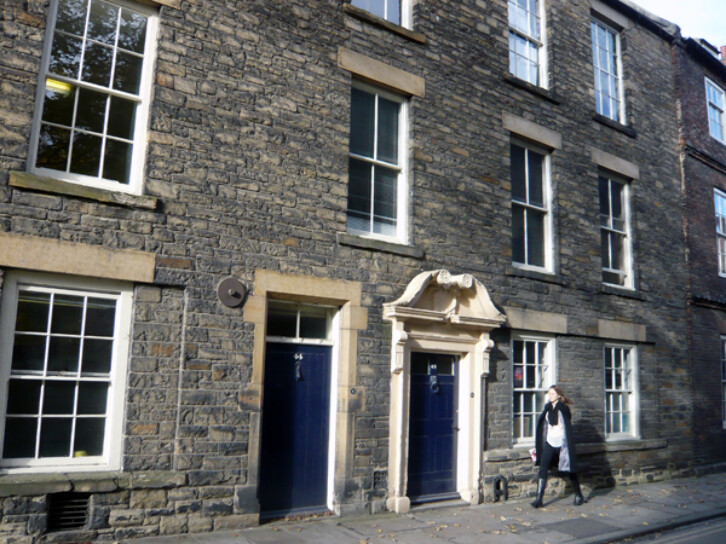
627, 234
547, 208
719, 199
298, 308
115, 410
723, 382
632, 392
140, 137
539, 42
406, 16
619, 115
716, 113
548, 379
401, 235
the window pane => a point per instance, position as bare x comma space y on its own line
535, 238
91, 111
97, 64
117, 161
281, 320
536, 190
518, 351
63, 354
132, 33
394, 11
518, 234
89, 436
19, 437
618, 208
92, 398
362, 116
53, 146
96, 356
528, 405
518, 376
618, 249
518, 427
23, 397
122, 118
55, 437
67, 314
359, 195
86, 154
313, 322
605, 248
603, 190
102, 22
32, 312
127, 75
71, 16
65, 56
59, 101
100, 317
385, 201
388, 130
518, 174
28, 353
59, 398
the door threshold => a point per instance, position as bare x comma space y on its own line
296, 514
442, 503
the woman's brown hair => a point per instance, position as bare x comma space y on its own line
563, 399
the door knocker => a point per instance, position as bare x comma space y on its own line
434, 383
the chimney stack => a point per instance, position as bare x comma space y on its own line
723, 54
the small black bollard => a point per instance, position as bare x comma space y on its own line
501, 488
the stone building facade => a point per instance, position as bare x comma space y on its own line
231, 228
701, 80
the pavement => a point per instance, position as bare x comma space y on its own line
610, 515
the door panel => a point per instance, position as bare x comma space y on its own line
432, 427
295, 429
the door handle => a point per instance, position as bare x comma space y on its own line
455, 428
434, 383
298, 367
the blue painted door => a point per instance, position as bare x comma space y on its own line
295, 426
432, 428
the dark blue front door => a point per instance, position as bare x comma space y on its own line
432, 429
295, 422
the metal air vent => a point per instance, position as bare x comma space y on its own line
67, 511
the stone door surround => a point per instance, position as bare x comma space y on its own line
439, 312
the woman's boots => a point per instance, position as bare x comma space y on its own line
541, 485
579, 499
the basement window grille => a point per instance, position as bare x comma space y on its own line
67, 511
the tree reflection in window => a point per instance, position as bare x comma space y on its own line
92, 90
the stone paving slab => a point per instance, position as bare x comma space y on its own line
610, 514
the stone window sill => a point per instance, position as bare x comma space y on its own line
546, 277
621, 292
23, 180
368, 17
344, 239
522, 452
547, 94
615, 125
88, 482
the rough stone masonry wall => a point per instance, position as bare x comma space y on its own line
704, 169
247, 156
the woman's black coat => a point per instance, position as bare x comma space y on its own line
568, 458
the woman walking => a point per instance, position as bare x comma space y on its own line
555, 444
